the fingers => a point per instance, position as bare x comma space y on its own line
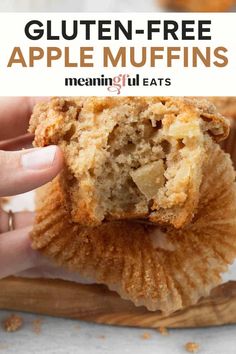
25, 170
16, 254
23, 219
20, 220
23, 141
14, 115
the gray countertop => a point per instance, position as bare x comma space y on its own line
70, 336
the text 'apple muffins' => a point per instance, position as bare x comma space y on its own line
130, 157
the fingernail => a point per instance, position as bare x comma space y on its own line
39, 159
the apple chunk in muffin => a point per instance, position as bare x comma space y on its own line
130, 157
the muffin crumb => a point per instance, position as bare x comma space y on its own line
102, 337
12, 323
37, 325
192, 347
146, 335
3, 346
163, 331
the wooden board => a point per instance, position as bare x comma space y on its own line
96, 303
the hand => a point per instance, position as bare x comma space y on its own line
20, 171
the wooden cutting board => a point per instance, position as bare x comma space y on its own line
97, 304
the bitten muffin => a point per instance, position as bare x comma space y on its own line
161, 268
198, 5
130, 157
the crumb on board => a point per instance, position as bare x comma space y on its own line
12, 323
146, 335
102, 337
77, 326
37, 325
3, 346
192, 347
164, 331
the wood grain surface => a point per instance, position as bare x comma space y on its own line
97, 304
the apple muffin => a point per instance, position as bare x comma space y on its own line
130, 157
162, 268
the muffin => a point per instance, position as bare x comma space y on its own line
199, 5
126, 158
162, 268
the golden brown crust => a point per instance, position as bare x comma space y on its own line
162, 269
83, 127
48, 118
225, 105
199, 5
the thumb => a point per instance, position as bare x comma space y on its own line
25, 170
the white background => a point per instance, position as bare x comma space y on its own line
44, 81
